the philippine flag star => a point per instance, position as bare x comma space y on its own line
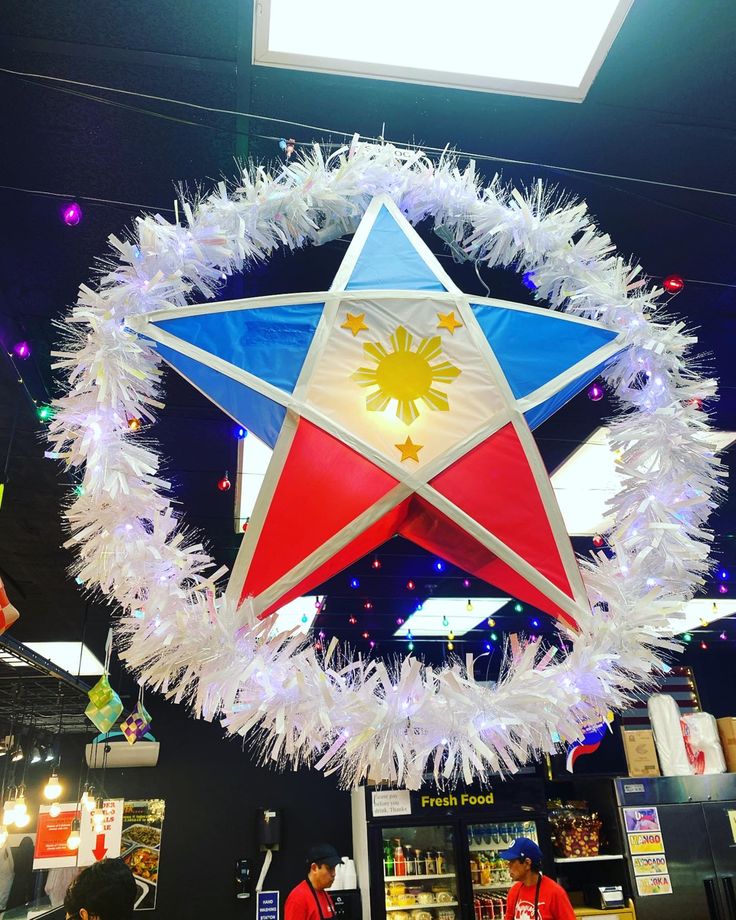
394, 404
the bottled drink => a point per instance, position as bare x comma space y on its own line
485, 869
388, 859
430, 862
440, 862
399, 859
474, 870
420, 864
411, 863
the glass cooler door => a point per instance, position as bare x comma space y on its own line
419, 873
488, 872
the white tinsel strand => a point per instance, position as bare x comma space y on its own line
354, 716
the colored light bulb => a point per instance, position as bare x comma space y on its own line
71, 214
673, 284
469, 606
596, 392
598, 541
410, 646
518, 607
723, 589
439, 565
376, 564
399, 621
22, 350
224, 484
367, 605
491, 621
134, 424
366, 635
410, 585
352, 620
466, 582
354, 583
44, 413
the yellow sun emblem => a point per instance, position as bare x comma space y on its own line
406, 375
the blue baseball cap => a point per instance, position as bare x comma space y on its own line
522, 848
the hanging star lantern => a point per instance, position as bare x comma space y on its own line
394, 403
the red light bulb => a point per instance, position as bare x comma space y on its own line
366, 635
352, 620
673, 284
376, 564
224, 484
410, 586
598, 540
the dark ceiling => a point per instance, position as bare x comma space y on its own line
662, 110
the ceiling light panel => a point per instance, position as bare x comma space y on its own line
72, 657
528, 48
439, 616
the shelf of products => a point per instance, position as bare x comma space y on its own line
500, 886
425, 906
405, 878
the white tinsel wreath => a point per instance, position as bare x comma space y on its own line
330, 710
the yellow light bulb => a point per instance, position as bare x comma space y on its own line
450, 646
21, 808
73, 840
469, 606
22, 820
52, 789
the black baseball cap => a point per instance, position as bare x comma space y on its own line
324, 853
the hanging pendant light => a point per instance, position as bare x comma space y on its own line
52, 789
74, 839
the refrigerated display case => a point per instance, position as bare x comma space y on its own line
680, 834
435, 856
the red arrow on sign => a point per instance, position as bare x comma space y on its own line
100, 848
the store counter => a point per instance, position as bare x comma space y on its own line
618, 913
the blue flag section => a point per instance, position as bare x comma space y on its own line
389, 261
258, 413
533, 348
538, 414
268, 342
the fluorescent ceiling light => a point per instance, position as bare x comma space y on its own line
430, 619
66, 655
588, 478
528, 47
253, 460
297, 614
701, 611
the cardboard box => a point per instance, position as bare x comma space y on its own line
641, 754
727, 731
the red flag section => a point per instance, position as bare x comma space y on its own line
494, 485
323, 486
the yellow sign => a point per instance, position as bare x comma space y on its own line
653, 884
732, 820
452, 800
646, 843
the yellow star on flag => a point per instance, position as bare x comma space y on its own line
448, 321
355, 322
409, 450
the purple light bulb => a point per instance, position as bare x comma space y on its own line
596, 392
71, 214
22, 350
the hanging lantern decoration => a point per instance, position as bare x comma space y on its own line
104, 706
136, 725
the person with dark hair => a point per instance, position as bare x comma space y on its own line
533, 896
310, 900
103, 891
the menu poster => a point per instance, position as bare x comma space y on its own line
141, 847
648, 885
646, 843
656, 864
52, 833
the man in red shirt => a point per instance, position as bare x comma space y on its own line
310, 900
534, 896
